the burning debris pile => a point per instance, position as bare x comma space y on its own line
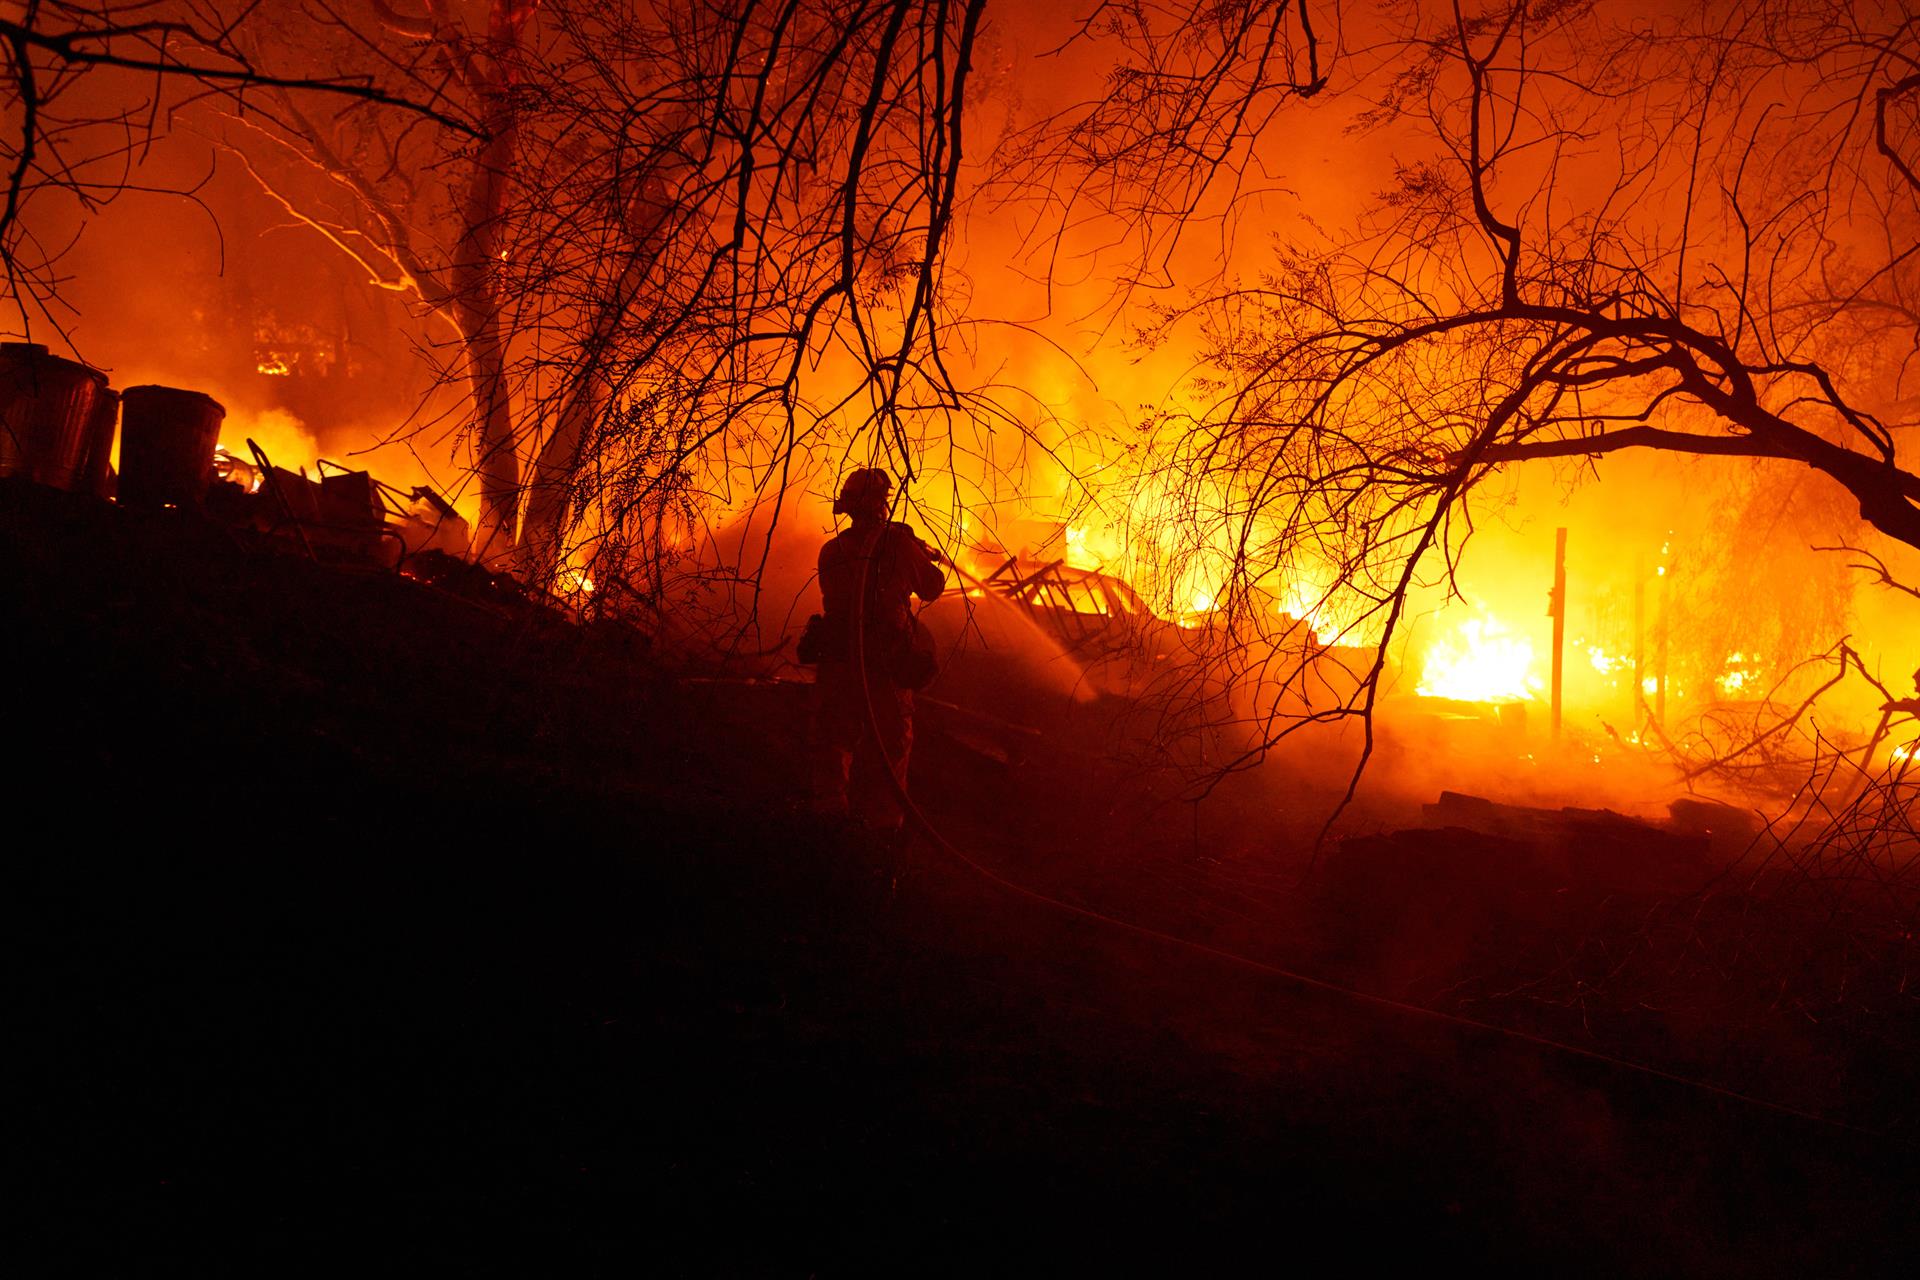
1591, 703
61, 425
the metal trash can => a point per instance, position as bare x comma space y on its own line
46, 410
167, 436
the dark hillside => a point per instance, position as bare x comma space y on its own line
366, 923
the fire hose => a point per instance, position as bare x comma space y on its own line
921, 825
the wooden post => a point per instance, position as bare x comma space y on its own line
1639, 642
1660, 649
1557, 610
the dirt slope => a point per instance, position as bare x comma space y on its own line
365, 924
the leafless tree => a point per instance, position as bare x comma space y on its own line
422, 211
92, 85
704, 196
1586, 260
738, 209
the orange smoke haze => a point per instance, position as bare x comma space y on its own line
1691, 556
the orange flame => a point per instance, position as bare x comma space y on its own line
1480, 662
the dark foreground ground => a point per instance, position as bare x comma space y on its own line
365, 926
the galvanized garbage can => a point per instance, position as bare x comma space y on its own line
166, 445
46, 408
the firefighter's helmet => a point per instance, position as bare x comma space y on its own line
864, 490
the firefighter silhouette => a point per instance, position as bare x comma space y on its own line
863, 721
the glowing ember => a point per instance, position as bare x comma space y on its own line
274, 366
1078, 556
1199, 609
1605, 663
236, 471
1333, 614
1481, 662
1308, 603
1742, 674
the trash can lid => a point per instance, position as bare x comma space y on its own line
35, 352
151, 391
